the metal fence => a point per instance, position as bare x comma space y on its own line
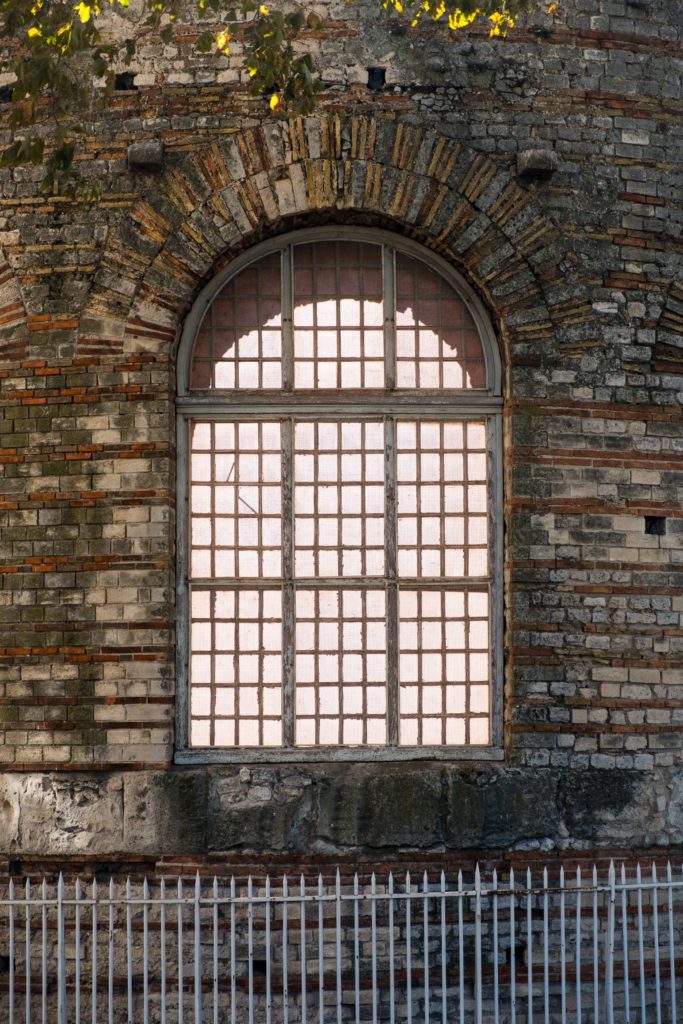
501, 950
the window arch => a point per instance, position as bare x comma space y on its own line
340, 522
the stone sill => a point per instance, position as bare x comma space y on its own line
354, 755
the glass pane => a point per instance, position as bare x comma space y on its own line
239, 344
236, 668
340, 668
444, 667
442, 496
339, 499
235, 500
338, 315
437, 342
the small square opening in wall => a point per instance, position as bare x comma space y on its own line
377, 79
124, 81
655, 526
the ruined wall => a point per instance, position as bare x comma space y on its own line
580, 271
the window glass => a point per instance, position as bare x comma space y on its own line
340, 576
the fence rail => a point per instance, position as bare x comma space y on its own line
579, 949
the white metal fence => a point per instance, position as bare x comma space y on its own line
554, 948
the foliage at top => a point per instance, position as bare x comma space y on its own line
56, 49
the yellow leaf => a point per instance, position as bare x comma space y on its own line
274, 100
252, 71
84, 11
34, 33
459, 19
500, 23
222, 40
263, 9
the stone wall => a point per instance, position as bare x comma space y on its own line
580, 269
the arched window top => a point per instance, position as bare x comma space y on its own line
338, 309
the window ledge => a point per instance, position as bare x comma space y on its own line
373, 755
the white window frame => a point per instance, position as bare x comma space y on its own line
480, 404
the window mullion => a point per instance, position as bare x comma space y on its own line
389, 319
288, 624
392, 586
389, 289
494, 443
287, 318
288, 614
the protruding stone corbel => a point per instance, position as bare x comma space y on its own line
536, 163
147, 155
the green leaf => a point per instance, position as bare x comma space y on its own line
10, 156
204, 43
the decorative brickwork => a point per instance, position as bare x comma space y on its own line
580, 272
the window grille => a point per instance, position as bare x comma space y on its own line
339, 520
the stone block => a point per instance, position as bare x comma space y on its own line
146, 155
537, 163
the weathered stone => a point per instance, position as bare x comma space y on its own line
147, 155
537, 163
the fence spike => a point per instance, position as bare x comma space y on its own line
197, 950
655, 943
546, 965
12, 958
478, 1009
461, 952
93, 1001
250, 948
145, 951
27, 951
285, 961
129, 951
338, 942
110, 963
392, 974
162, 947
233, 947
563, 951
444, 951
672, 942
513, 965
267, 941
321, 952
214, 915
530, 954
409, 953
77, 951
181, 962
304, 966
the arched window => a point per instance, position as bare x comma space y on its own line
339, 588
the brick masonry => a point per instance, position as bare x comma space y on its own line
581, 273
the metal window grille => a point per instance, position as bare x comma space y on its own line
577, 948
340, 524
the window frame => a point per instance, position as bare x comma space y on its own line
216, 405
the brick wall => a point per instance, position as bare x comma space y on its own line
579, 271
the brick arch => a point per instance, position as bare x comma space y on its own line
268, 179
667, 351
14, 330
